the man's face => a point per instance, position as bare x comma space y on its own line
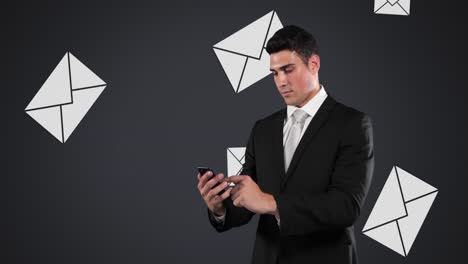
296, 81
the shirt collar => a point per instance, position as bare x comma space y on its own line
312, 106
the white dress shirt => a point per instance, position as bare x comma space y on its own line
311, 109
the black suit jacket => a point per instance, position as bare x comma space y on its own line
320, 196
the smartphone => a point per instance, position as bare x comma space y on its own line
203, 170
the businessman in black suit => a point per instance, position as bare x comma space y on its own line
307, 167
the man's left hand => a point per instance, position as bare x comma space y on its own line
247, 194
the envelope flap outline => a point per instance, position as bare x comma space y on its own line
82, 76
259, 68
275, 25
392, 9
243, 56
405, 4
389, 206
250, 40
238, 153
254, 69
56, 89
378, 4
399, 7
389, 236
235, 160
233, 66
417, 212
411, 186
50, 119
74, 113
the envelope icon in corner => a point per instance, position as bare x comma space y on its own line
65, 97
392, 7
400, 211
235, 161
243, 56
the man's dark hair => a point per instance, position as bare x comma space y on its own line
293, 38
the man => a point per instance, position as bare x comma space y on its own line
307, 167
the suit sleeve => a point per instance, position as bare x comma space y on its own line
236, 216
340, 205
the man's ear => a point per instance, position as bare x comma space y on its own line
314, 63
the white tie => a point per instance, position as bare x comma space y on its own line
294, 135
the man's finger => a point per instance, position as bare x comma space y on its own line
211, 183
213, 192
204, 178
237, 202
235, 189
226, 194
235, 179
235, 193
200, 182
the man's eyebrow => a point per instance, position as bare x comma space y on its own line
283, 67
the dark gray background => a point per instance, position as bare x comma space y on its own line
122, 189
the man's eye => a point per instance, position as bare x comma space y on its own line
274, 73
288, 70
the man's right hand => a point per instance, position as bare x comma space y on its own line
210, 194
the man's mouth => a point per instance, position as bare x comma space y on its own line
286, 93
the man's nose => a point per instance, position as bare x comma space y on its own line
282, 79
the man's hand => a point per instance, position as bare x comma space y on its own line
209, 195
247, 194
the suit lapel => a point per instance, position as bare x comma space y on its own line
314, 126
278, 151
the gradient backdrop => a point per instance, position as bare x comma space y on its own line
122, 189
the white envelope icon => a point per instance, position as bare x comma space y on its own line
235, 161
400, 211
392, 7
65, 97
243, 56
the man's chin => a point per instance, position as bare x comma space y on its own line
289, 101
